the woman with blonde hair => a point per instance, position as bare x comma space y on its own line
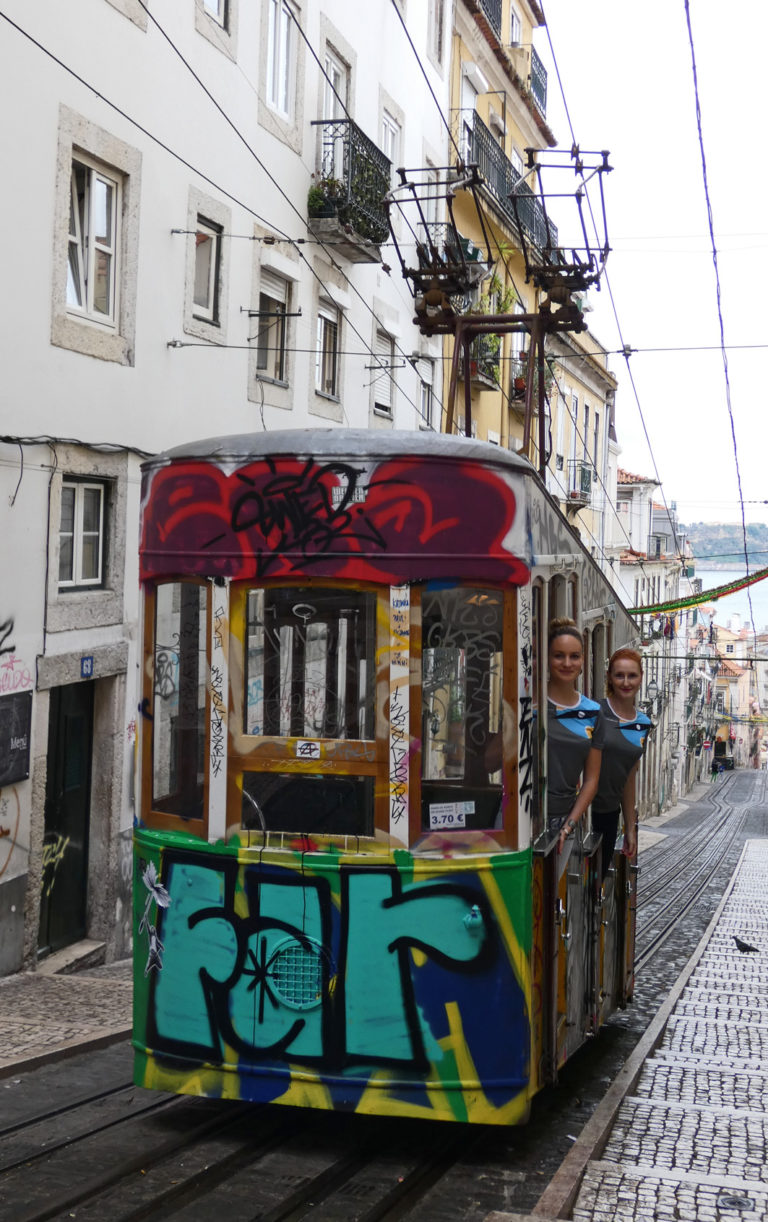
574, 734
626, 733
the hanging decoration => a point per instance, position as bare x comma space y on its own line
706, 596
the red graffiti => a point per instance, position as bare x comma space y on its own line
14, 675
401, 520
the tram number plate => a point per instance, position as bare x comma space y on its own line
449, 814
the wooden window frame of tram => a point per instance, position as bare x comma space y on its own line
150, 816
508, 835
243, 751
270, 753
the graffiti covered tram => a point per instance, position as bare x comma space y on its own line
345, 895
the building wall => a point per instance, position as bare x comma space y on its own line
83, 401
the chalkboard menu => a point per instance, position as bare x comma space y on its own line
15, 734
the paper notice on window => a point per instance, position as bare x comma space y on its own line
445, 816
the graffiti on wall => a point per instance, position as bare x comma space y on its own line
334, 970
10, 816
393, 520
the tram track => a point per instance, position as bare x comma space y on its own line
113, 1151
692, 868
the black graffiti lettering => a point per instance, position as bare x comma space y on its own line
6, 628
306, 513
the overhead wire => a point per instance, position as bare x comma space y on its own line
626, 351
718, 287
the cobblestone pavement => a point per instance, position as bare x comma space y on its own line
43, 1016
691, 1141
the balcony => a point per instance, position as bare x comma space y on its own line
579, 483
538, 83
500, 179
484, 357
492, 12
346, 202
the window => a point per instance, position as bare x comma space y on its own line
426, 395
327, 351
218, 10
92, 267
729, 648
390, 137
81, 535
281, 57
515, 28
436, 31
461, 692
205, 297
383, 365
334, 107
179, 696
586, 430
271, 335
311, 675
596, 445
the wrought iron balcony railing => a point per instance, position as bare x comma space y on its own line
353, 179
538, 83
579, 481
492, 10
500, 178
484, 357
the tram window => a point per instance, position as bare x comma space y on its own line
304, 803
462, 630
178, 725
310, 663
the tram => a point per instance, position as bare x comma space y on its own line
345, 898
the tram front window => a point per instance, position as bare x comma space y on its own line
178, 713
462, 693
310, 663
310, 680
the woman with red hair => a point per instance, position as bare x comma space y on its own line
626, 731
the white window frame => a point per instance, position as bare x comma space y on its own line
327, 349
217, 11
86, 248
391, 134
515, 28
437, 25
208, 309
78, 488
382, 382
426, 371
272, 330
281, 58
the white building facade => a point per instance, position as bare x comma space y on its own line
168, 283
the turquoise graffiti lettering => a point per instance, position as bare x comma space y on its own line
284, 975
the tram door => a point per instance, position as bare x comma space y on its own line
67, 815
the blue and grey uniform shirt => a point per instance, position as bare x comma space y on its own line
624, 744
572, 732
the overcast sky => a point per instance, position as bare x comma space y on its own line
628, 81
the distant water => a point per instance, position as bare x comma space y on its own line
738, 604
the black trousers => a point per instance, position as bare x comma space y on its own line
606, 825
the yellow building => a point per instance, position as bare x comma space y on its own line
498, 89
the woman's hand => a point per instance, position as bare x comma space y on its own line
566, 830
629, 847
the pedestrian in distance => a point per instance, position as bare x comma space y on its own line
574, 736
715, 770
625, 734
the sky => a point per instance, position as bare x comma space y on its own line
627, 77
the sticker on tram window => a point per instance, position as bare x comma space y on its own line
449, 814
307, 750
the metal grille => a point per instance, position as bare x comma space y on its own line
296, 974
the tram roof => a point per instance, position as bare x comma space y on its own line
338, 442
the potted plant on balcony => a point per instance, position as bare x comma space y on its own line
324, 196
